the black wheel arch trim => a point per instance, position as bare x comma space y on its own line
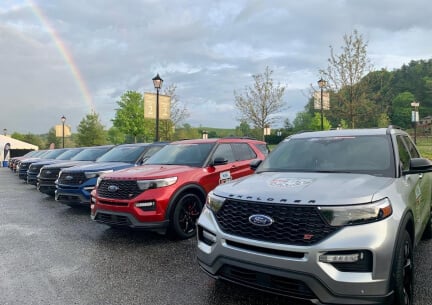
179, 192
406, 224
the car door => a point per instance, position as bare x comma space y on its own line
422, 192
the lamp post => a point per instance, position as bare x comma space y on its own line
415, 118
322, 83
63, 119
157, 82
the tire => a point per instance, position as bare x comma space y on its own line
427, 233
187, 210
403, 271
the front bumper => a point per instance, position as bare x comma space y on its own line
126, 220
46, 186
296, 271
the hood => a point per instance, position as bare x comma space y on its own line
67, 164
306, 188
48, 162
100, 166
150, 172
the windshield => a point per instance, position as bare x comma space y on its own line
128, 154
352, 154
69, 154
182, 154
52, 154
90, 154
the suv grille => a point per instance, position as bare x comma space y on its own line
49, 173
72, 178
294, 225
118, 189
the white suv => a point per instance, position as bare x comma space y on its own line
332, 217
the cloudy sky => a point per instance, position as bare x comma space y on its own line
68, 58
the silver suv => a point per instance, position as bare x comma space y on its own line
332, 217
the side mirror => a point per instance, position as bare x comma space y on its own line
418, 166
255, 163
219, 161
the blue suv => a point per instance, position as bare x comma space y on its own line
75, 184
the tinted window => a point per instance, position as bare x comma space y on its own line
182, 154
90, 154
404, 155
68, 154
411, 147
52, 154
224, 151
263, 148
129, 154
363, 154
243, 151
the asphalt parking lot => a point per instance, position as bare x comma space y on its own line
54, 254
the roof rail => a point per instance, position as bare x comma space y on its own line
238, 137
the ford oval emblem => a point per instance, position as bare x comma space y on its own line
68, 178
261, 220
113, 188
48, 172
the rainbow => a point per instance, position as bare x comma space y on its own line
67, 56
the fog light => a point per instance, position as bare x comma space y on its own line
341, 258
146, 205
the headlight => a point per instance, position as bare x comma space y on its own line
214, 202
349, 215
98, 181
156, 183
90, 175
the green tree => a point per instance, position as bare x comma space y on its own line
129, 117
261, 102
315, 123
115, 136
401, 110
303, 121
52, 138
243, 129
90, 131
344, 73
29, 138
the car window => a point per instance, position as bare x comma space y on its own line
411, 147
243, 151
224, 151
404, 156
263, 148
128, 153
191, 154
365, 154
90, 154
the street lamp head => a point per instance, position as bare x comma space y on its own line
322, 83
63, 118
157, 81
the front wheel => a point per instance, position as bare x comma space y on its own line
403, 271
187, 210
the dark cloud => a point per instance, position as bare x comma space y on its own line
209, 49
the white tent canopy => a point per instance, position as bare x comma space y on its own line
14, 144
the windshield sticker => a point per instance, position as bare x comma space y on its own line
225, 177
290, 182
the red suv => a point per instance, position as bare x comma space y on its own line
167, 193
